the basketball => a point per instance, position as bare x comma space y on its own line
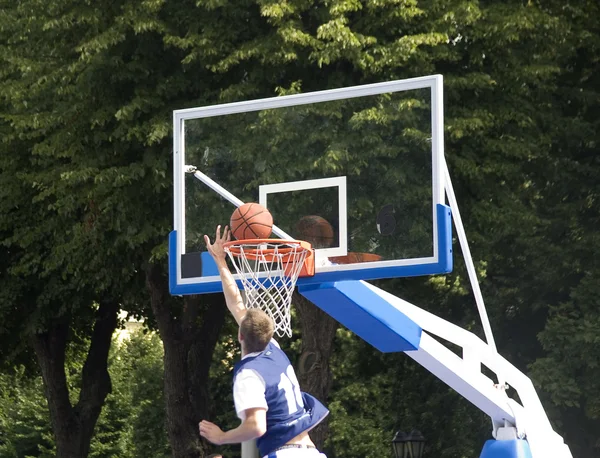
251, 221
315, 230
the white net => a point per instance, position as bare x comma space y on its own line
268, 272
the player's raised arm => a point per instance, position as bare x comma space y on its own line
233, 298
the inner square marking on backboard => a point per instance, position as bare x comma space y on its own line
340, 183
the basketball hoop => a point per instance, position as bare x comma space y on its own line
268, 270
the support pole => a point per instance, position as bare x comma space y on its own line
464, 246
249, 449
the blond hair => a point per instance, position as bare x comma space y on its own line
257, 330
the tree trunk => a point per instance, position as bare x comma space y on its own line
182, 426
201, 352
188, 353
73, 426
314, 372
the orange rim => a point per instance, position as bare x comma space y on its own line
235, 248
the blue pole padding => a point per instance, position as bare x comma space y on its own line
516, 448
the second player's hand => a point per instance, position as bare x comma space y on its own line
216, 249
211, 432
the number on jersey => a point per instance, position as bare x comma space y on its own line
291, 389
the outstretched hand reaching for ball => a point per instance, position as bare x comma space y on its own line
216, 249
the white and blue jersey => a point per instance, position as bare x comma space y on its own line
267, 380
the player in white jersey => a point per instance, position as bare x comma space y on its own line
267, 397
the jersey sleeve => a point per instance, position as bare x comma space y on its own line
248, 392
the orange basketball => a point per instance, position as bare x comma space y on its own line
315, 230
251, 221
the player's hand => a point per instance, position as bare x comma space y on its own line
211, 432
216, 249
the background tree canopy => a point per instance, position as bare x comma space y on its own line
86, 95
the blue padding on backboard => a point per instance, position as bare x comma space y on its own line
444, 220
213, 282
197, 288
368, 315
173, 261
517, 448
209, 267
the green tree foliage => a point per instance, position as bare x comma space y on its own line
25, 428
569, 371
24, 418
86, 92
376, 394
65, 229
131, 424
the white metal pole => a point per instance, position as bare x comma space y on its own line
249, 449
212, 184
464, 246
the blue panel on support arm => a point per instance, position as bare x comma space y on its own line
516, 448
368, 315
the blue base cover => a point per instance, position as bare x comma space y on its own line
517, 448
364, 312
